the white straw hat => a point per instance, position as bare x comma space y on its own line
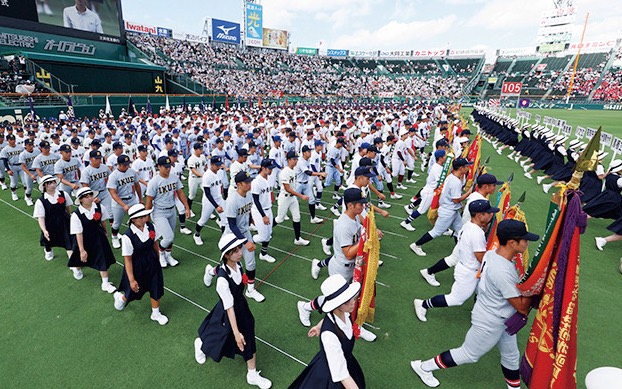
337, 292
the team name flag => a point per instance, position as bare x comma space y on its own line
366, 269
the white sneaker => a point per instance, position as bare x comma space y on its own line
528, 175
199, 356
417, 250
420, 311
197, 240
449, 232
526, 168
212, 216
335, 211
108, 287
546, 187
49, 255
408, 209
257, 380
539, 179
517, 158
366, 334
382, 204
405, 225
185, 231
600, 243
326, 247
116, 242
396, 196
426, 376
401, 186
336, 196
267, 257
301, 242
430, 278
4, 187
14, 196
415, 174
255, 295
320, 207
380, 262
28, 201
499, 151
303, 314
315, 268
511, 156
170, 260
119, 304
208, 275
411, 181
162, 258
77, 273
316, 220
192, 214
159, 317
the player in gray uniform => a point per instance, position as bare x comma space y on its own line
333, 167
278, 156
67, 169
450, 204
498, 299
10, 158
95, 176
125, 191
304, 173
261, 190
316, 166
161, 197
212, 198
237, 211
44, 162
3, 144
29, 174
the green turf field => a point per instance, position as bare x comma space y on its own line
58, 332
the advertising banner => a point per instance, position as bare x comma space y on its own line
306, 51
467, 53
395, 53
226, 32
182, 36
517, 52
275, 39
364, 53
592, 47
430, 53
165, 32
386, 95
254, 25
336, 53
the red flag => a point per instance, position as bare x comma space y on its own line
365, 271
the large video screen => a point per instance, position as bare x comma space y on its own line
90, 19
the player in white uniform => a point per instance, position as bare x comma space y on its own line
197, 165
212, 197
471, 248
287, 200
498, 299
398, 159
261, 190
304, 173
239, 165
144, 166
316, 166
278, 156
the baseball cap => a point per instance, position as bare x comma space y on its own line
364, 171
173, 153
460, 162
197, 146
216, 160
268, 163
306, 148
407, 122
243, 177
242, 153
276, 138
341, 140
318, 143
442, 143
481, 206
403, 131
96, 143
117, 145
65, 148
44, 144
164, 161
354, 195
364, 145
372, 149
95, 154
54, 136
488, 179
466, 132
29, 142
123, 160
291, 154
142, 148
510, 228
366, 162
378, 140
226, 133
75, 141
439, 154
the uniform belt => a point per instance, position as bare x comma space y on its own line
127, 198
349, 264
267, 209
32, 170
164, 209
303, 183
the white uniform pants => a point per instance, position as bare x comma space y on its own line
193, 185
208, 208
118, 214
27, 181
306, 189
17, 171
398, 167
287, 202
446, 219
465, 282
249, 256
427, 195
410, 161
264, 231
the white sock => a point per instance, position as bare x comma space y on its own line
429, 365
250, 287
155, 310
104, 280
252, 372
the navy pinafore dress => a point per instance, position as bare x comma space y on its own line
57, 224
100, 256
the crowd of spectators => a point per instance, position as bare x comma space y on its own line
610, 88
13, 73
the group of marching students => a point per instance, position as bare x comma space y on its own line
377, 144
551, 158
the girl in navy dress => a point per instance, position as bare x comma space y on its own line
334, 366
90, 246
142, 272
608, 203
229, 328
52, 212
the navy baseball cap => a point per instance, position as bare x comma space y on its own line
216, 160
95, 154
142, 148
96, 143
291, 154
173, 153
342, 141
242, 153
168, 140
372, 149
117, 145
29, 142
442, 143
488, 179
439, 154
366, 162
407, 123
276, 138
44, 144
243, 177
123, 160
197, 146
75, 141
364, 171
54, 136
226, 133
164, 161
354, 195
65, 148
306, 148
378, 141
481, 206
318, 143
219, 140
364, 145
460, 162
510, 228
269, 163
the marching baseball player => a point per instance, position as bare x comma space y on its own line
316, 166
160, 197
177, 169
304, 172
196, 164
10, 157
67, 169
287, 200
398, 159
334, 169
261, 190
125, 191
3, 144
144, 167
95, 176
29, 174
212, 198
44, 162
